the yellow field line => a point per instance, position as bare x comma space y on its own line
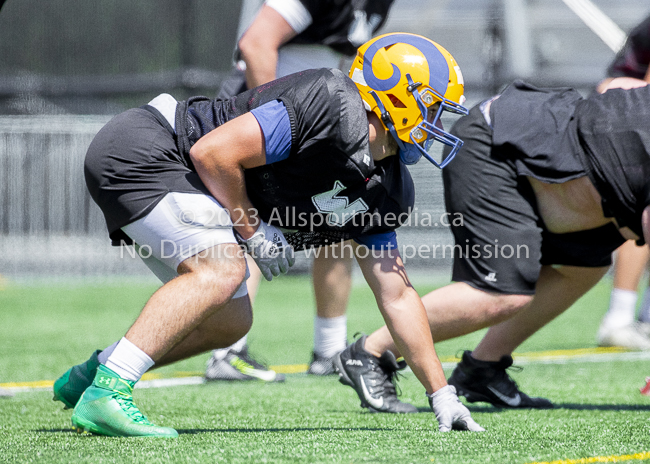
575, 353
290, 368
301, 368
644, 456
570, 353
35, 384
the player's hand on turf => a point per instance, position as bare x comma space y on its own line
450, 412
270, 250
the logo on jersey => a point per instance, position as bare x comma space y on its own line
491, 277
338, 208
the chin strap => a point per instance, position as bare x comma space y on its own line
407, 154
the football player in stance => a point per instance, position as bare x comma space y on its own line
619, 326
315, 155
549, 184
285, 37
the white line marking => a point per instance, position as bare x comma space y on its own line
175, 382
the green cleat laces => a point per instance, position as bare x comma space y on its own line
107, 408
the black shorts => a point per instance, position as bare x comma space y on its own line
131, 164
502, 243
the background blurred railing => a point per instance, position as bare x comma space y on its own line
66, 66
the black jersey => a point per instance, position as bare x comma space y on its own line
555, 135
329, 186
614, 130
534, 128
338, 23
330, 183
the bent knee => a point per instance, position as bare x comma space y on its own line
221, 273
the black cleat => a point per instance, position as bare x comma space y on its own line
489, 382
320, 365
371, 377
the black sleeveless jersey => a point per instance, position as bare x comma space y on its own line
534, 128
555, 135
343, 25
614, 130
329, 186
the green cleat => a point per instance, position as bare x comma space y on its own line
70, 386
107, 408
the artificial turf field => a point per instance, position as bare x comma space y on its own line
44, 328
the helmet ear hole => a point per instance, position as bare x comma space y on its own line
397, 103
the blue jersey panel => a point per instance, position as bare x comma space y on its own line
274, 121
381, 241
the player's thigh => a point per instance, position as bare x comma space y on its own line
190, 229
590, 248
583, 257
581, 277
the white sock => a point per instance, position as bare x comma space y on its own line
128, 361
644, 312
622, 306
237, 346
103, 356
330, 335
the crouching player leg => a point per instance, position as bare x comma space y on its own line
406, 318
202, 305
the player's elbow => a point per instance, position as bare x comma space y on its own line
199, 154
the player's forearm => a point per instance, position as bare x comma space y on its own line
408, 324
404, 314
225, 181
220, 158
227, 185
261, 57
261, 66
260, 44
621, 83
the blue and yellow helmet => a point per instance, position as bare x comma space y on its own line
408, 81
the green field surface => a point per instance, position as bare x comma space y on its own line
46, 327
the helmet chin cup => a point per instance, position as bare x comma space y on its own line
410, 153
